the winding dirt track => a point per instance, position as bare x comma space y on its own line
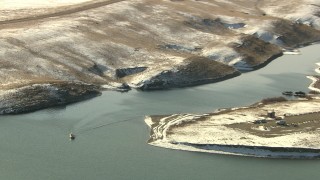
71, 10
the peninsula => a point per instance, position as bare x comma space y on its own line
273, 128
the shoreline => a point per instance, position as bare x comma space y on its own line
194, 83
246, 151
46, 95
312, 86
122, 87
162, 128
315, 85
269, 60
161, 135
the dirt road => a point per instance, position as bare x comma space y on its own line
65, 11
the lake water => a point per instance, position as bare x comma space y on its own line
111, 134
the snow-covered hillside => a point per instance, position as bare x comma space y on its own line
91, 42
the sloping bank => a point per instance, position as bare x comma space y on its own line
195, 71
192, 71
39, 96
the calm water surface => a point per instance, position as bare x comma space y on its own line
111, 134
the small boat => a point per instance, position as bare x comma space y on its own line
72, 136
287, 93
300, 94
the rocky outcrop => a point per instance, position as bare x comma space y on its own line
120, 73
214, 26
295, 34
39, 96
197, 70
255, 52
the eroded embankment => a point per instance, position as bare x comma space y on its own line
195, 71
39, 96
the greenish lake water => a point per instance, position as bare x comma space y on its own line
111, 134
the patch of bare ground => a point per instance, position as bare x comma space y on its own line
317, 83
256, 52
294, 121
303, 123
196, 70
273, 100
39, 96
295, 34
207, 25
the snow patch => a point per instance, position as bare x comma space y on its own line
224, 54
268, 37
32, 4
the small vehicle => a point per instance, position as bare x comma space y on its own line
72, 136
287, 93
